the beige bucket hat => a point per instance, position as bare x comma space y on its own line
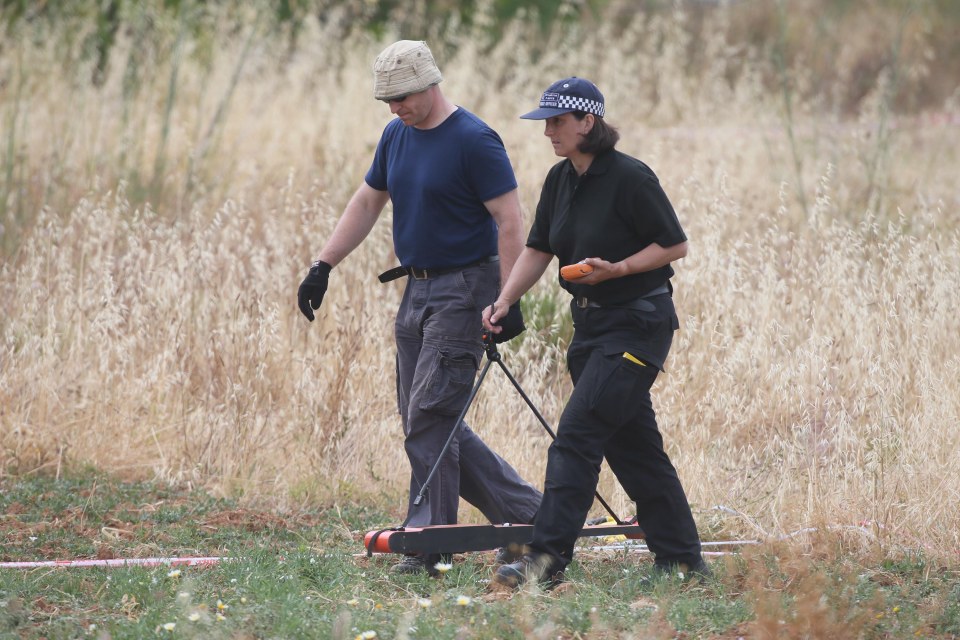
402, 68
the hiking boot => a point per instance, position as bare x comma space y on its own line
410, 564
698, 571
510, 553
532, 567
417, 563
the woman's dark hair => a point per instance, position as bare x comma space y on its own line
602, 137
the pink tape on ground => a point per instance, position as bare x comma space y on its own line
116, 562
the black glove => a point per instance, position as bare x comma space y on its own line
313, 287
511, 324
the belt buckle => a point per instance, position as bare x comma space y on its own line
582, 302
419, 274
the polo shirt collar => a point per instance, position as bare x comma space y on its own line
600, 164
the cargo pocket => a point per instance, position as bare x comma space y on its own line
622, 384
451, 379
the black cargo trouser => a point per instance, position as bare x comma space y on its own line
610, 415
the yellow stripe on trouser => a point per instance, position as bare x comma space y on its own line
633, 358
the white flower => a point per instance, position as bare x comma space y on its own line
463, 601
424, 603
443, 567
174, 574
221, 617
221, 606
366, 635
353, 602
193, 617
169, 626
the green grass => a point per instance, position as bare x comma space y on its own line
303, 574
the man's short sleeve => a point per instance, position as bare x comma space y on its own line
489, 171
377, 173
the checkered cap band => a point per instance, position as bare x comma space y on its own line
552, 100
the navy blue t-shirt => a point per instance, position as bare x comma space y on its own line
438, 180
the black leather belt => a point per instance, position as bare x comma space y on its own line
638, 303
423, 274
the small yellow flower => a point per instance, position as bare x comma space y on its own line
443, 567
424, 603
353, 602
463, 601
174, 573
896, 609
366, 635
378, 606
193, 617
243, 600
880, 615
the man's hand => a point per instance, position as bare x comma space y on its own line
312, 288
504, 326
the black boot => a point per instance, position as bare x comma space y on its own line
532, 567
415, 563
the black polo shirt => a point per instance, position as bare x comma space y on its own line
615, 209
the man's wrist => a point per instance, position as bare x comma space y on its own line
321, 265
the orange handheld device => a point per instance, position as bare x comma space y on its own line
575, 271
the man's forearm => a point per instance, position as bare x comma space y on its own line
505, 210
354, 225
510, 244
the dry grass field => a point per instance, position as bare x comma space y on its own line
159, 228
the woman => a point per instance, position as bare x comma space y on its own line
605, 212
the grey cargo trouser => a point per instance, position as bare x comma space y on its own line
439, 347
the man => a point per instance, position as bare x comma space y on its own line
457, 231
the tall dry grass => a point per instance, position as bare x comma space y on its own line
149, 322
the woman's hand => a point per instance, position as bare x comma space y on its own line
649, 258
602, 270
